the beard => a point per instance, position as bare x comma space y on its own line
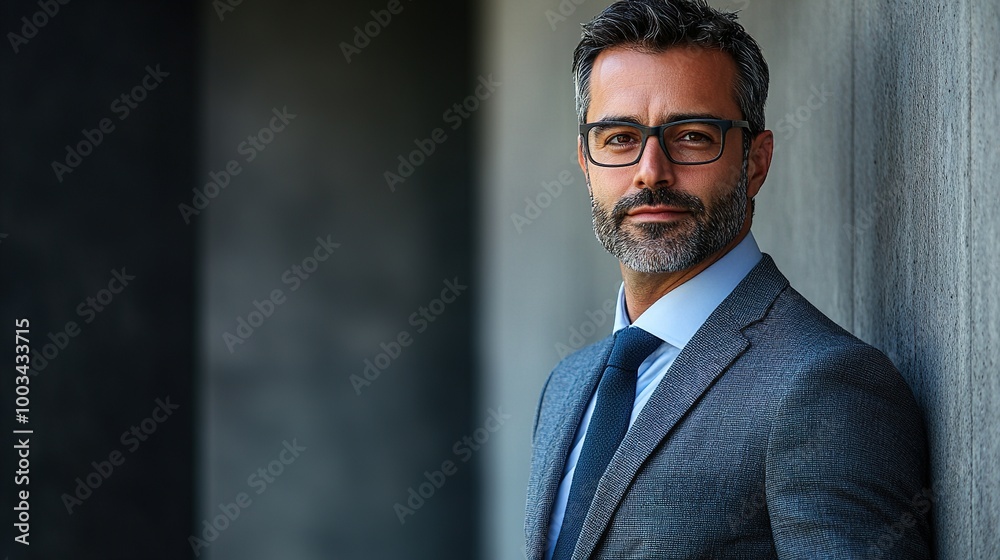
662, 247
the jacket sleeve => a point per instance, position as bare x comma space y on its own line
846, 465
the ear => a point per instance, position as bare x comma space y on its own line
761, 150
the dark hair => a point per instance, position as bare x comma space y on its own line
656, 25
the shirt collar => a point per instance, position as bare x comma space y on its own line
676, 316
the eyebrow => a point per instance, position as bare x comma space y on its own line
634, 119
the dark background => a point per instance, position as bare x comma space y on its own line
160, 337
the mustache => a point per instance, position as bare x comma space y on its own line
658, 197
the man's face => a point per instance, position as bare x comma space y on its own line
657, 216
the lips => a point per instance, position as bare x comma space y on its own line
660, 205
657, 213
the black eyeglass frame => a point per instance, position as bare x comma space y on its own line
647, 131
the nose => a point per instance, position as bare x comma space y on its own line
654, 170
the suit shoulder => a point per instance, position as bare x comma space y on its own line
795, 321
813, 345
585, 356
579, 361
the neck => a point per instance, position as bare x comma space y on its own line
642, 290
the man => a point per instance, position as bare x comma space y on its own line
726, 417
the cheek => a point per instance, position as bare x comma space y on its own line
718, 181
606, 184
600, 190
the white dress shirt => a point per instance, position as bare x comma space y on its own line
674, 318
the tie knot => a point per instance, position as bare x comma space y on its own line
632, 346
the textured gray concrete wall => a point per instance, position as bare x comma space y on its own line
806, 201
984, 289
912, 214
881, 208
544, 276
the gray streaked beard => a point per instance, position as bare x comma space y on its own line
671, 247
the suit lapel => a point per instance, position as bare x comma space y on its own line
565, 400
713, 348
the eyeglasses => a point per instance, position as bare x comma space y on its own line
687, 142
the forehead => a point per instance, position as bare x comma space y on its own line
654, 85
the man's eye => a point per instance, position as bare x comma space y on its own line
621, 139
695, 138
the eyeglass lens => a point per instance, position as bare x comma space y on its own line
693, 142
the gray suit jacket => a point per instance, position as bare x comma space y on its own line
775, 434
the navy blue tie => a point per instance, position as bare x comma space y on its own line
608, 424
